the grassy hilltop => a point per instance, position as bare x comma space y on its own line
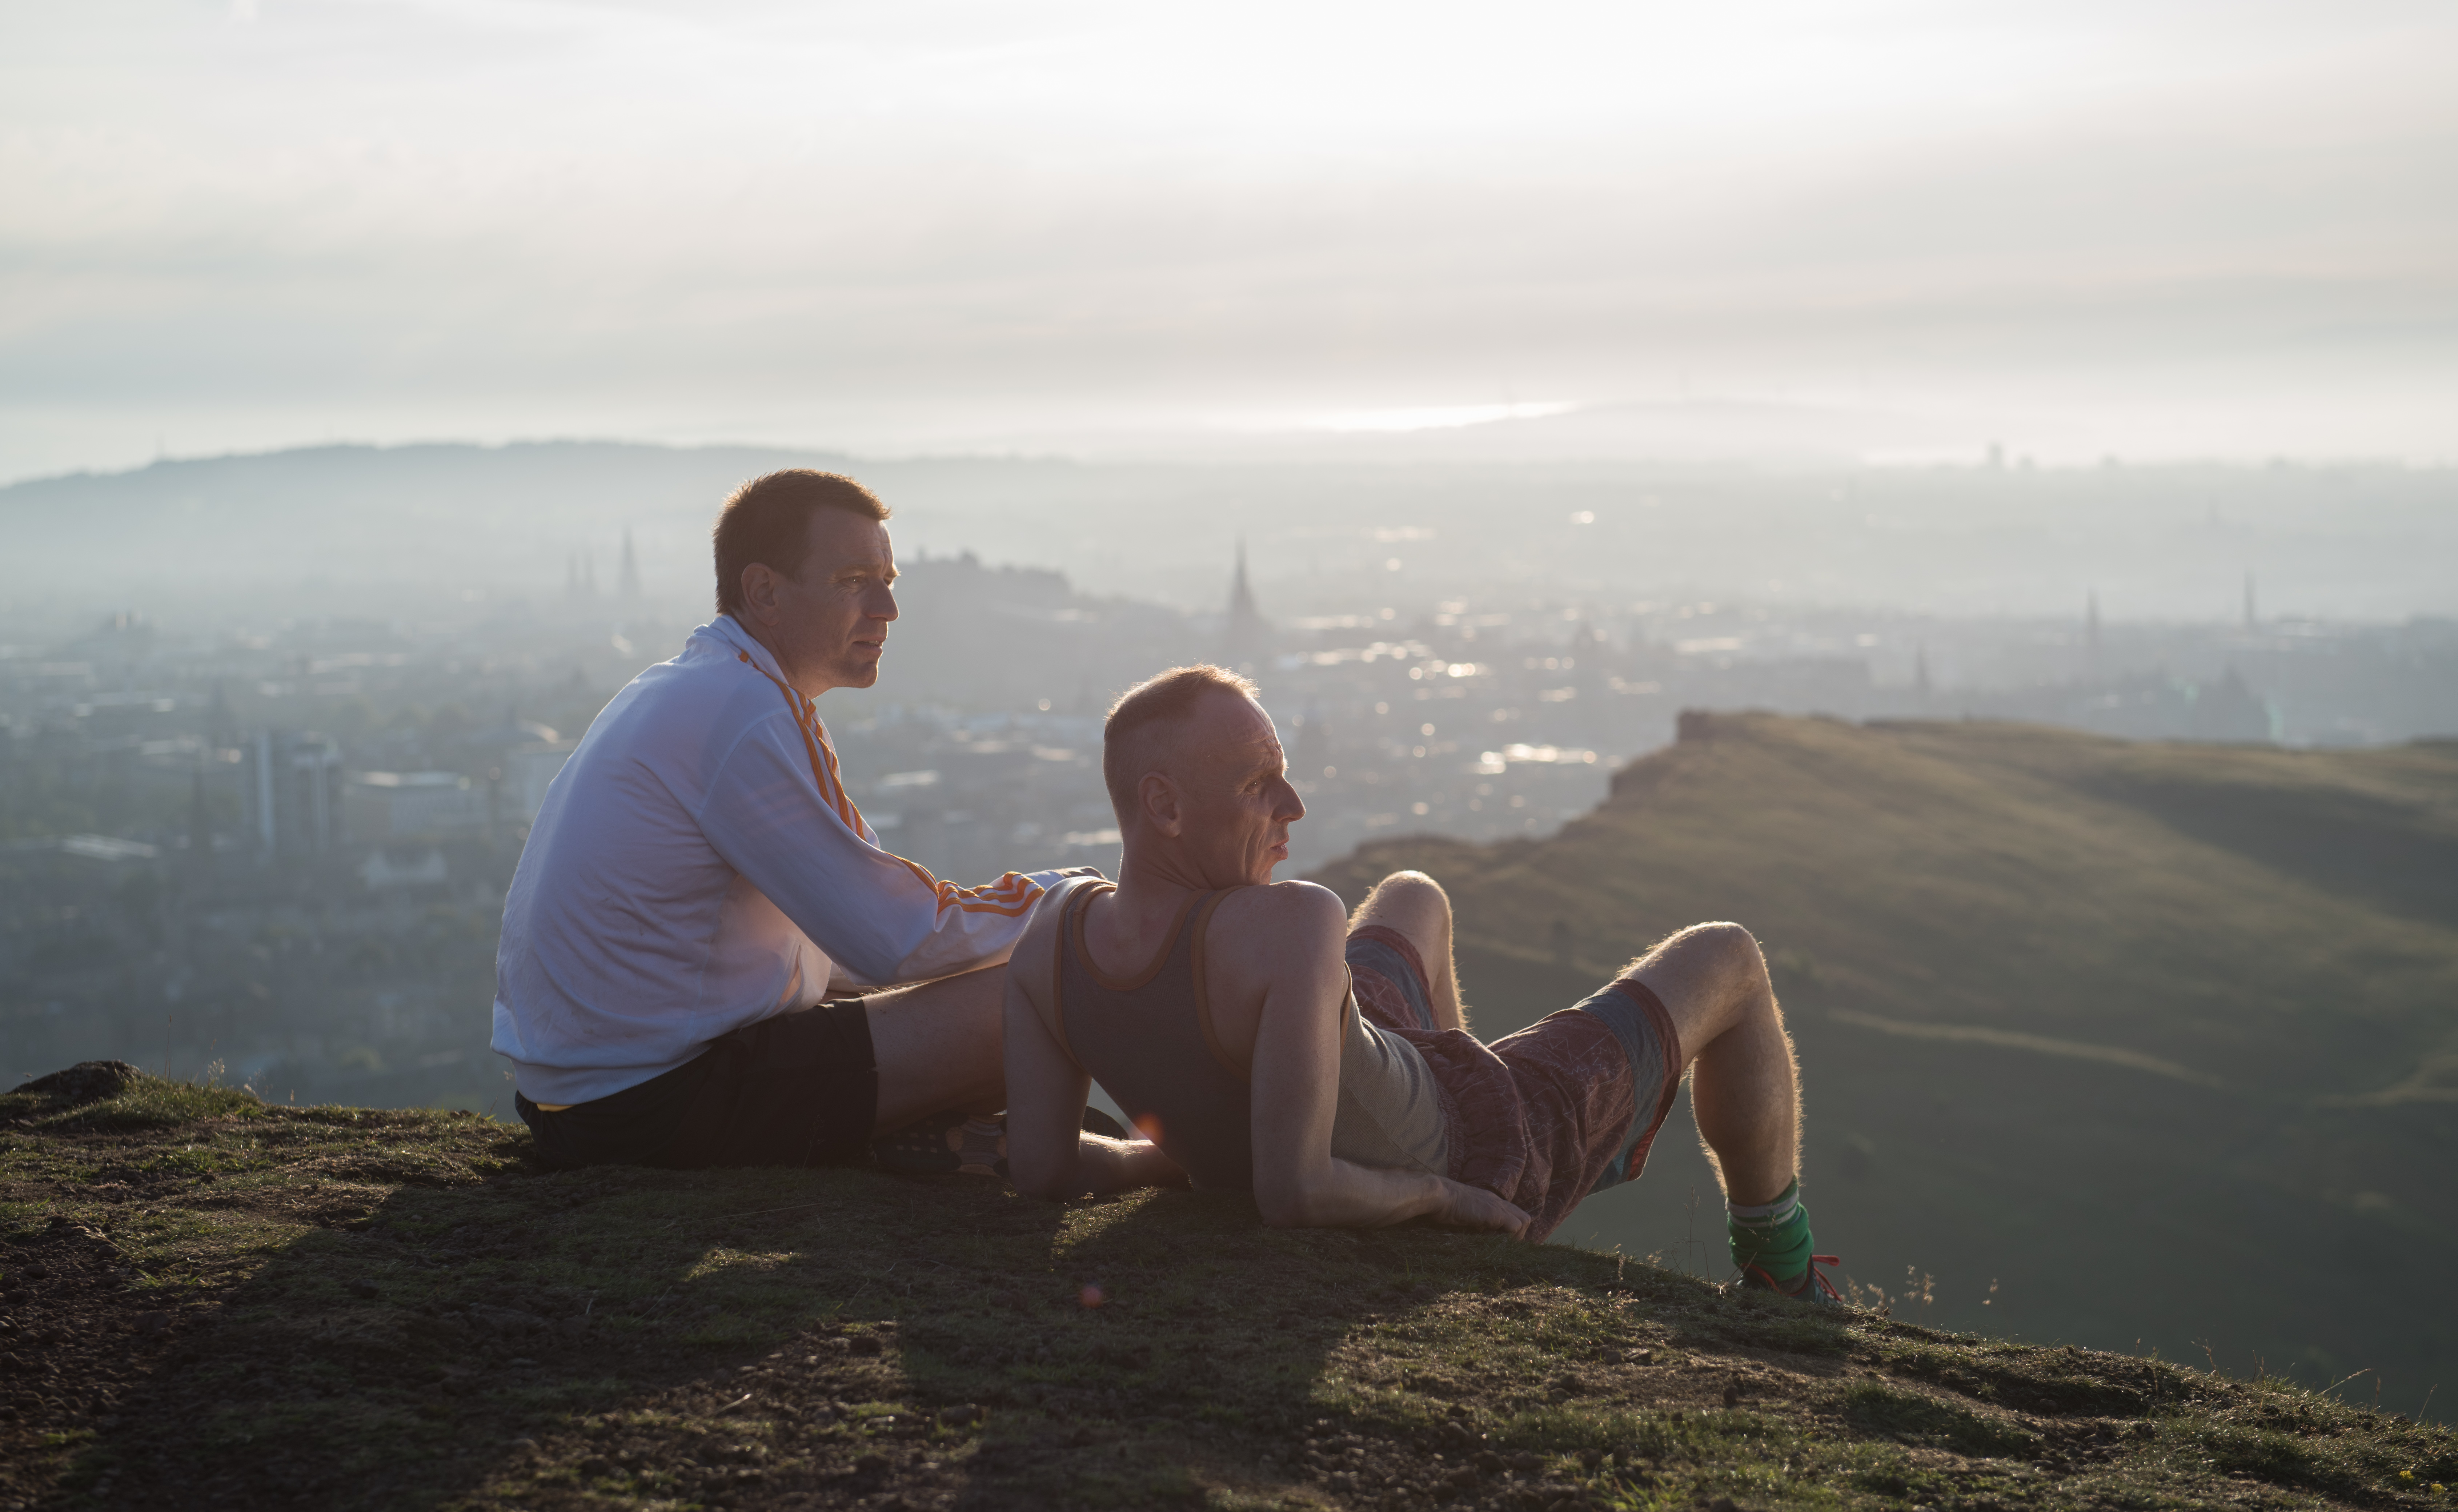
2160, 1041
211, 1302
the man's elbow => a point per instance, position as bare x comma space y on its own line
1284, 1205
865, 966
1048, 1191
1053, 1180
1048, 1168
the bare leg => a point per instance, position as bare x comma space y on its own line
1743, 1087
939, 1045
1415, 904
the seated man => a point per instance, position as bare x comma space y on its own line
1260, 1041
699, 879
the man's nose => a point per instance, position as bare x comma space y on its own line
882, 605
1291, 808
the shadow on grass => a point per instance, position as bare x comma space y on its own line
783, 1337
232, 1304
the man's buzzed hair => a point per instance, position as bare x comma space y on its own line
768, 520
1144, 714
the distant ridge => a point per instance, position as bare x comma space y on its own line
319, 530
319, 526
436, 511
2159, 1037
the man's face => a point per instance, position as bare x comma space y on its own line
833, 614
1234, 793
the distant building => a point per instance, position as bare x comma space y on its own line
291, 787
387, 806
198, 859
107, 848
1248, 640
384, 869
222, 725
2228, 709
628, 584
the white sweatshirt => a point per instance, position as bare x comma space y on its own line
697, 866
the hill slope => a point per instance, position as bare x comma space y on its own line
2159, 1041
212, 1302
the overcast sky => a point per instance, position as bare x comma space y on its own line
2147, 228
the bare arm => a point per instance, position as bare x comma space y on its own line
1047, 1153
1296, 1081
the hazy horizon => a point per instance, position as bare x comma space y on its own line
1884, 230
414, 531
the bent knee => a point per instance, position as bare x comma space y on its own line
1409, 890
1728, 944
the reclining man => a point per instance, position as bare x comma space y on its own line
1260, 1041
698, 878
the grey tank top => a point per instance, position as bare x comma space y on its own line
1149, 1040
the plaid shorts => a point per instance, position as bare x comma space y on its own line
1545, 1116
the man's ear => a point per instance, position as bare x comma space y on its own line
760, 592
1159, 797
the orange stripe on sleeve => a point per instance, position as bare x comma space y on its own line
815, 745
1012, 894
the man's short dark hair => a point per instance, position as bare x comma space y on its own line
1127, 734
768, 520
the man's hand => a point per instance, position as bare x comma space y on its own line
1079, 871
1467, 1207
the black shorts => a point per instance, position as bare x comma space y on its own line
800, 1088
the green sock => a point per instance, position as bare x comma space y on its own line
1775, 1237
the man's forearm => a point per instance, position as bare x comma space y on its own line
1341, 1195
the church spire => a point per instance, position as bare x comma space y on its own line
1249, 636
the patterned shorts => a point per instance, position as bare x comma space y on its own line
1543, 1117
